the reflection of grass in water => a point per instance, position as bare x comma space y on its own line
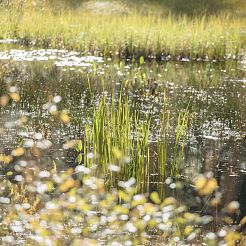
134, 34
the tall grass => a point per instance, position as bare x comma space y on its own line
125, 36
118, 134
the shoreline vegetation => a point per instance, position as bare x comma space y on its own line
129, 34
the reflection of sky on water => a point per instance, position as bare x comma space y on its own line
8, 41
61, 58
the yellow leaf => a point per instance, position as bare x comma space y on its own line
83, 206
64, 118
36, 152
6, 159
154, 196
149, 208
228, 220
214, 202
50, 186
180, 220
68, 184
169, 201
139, 201
243, 220
152, 223
121, 210
18, 152
4, 100
23, 119
189, 216
231, 237
205, 186
124, 196
139, 224
188, 230
233, 206
15, 96
200, 182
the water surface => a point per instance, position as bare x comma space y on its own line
213, 93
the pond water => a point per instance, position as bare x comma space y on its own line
214, 93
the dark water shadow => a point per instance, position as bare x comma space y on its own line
176, 7
196, 7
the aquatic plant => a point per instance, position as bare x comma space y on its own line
118, 133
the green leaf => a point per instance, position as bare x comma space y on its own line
54, 167
154, 196
79, 159
141, 60
79, 146
121, 65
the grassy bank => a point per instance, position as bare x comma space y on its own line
131, 34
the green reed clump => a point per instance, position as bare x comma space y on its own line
180, 139
118, 134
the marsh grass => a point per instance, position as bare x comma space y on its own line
180, 140
120, 135
133, 35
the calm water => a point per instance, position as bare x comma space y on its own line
214, 93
